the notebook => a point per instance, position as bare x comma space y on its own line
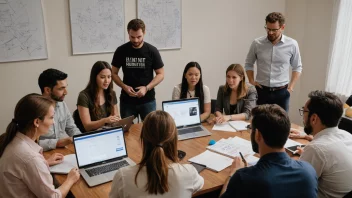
65, 166
186, 114
100, 154
231, 147
212, 161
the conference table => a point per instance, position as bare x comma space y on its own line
212, 181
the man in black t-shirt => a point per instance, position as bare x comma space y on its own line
138, 60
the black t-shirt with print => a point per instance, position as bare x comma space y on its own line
138, 67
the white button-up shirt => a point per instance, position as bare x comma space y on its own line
330, 153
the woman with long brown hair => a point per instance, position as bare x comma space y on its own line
97, 103
158, 173
236, 98
23, 170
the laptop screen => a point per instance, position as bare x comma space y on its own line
98, 147
185, 112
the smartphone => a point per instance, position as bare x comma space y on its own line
198, 167
294, 148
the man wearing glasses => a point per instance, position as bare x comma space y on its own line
330, 152
274, 54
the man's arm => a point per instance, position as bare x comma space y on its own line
70, 128
294, 78
235, 179
142, 90
249, 65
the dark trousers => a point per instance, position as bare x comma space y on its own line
280, 97
143, 109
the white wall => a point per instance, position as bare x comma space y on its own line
214, 33
309, 22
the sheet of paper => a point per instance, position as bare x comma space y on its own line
232, 146
251, 160
223, 127
212, 160
239, 125
67, 164
290, 143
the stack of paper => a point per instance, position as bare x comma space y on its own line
212, 161
232, 146
239, 125
65, 166
251, 160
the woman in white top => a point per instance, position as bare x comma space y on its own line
23, 170
158, 174
192, 86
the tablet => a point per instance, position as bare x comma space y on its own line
292, 149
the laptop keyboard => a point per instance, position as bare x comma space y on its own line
189, 130
107, 168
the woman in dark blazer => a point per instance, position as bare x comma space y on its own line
236, 98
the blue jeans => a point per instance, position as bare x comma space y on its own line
142, 109
280, 97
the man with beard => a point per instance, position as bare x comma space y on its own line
274, 53
275, 174
53, 84
138, 60
330, 151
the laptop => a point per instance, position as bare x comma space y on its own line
186, 114
100, 154
125, 123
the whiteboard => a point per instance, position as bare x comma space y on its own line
22, 31
163, 22
97, 26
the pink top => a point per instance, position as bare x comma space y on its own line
24, 172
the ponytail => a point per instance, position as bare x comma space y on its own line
7, 137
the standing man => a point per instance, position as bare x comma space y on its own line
274, 54
138, 60
330, 152
53, 84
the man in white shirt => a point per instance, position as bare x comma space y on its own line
330, 152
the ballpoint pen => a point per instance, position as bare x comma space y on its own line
243, 160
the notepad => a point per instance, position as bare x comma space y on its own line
212, 161
65, 166
223, 127
239, 125
232, 146
290, 143
251, 160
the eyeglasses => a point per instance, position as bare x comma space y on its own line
271, 30
301, 111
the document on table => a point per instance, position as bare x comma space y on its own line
232, 146
290, 143
212, 161
65, 166
223, 127
239, 125
251, 160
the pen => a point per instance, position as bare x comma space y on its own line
243, 160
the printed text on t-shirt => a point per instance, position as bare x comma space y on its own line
135, 62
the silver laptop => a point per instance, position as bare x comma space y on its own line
186, 114
125, 123
100, 154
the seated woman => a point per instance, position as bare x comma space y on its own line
236, 98
192, 86
159, 173
23, 170
97, 103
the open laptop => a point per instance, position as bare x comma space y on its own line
125, 123
100, 154
186, 114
